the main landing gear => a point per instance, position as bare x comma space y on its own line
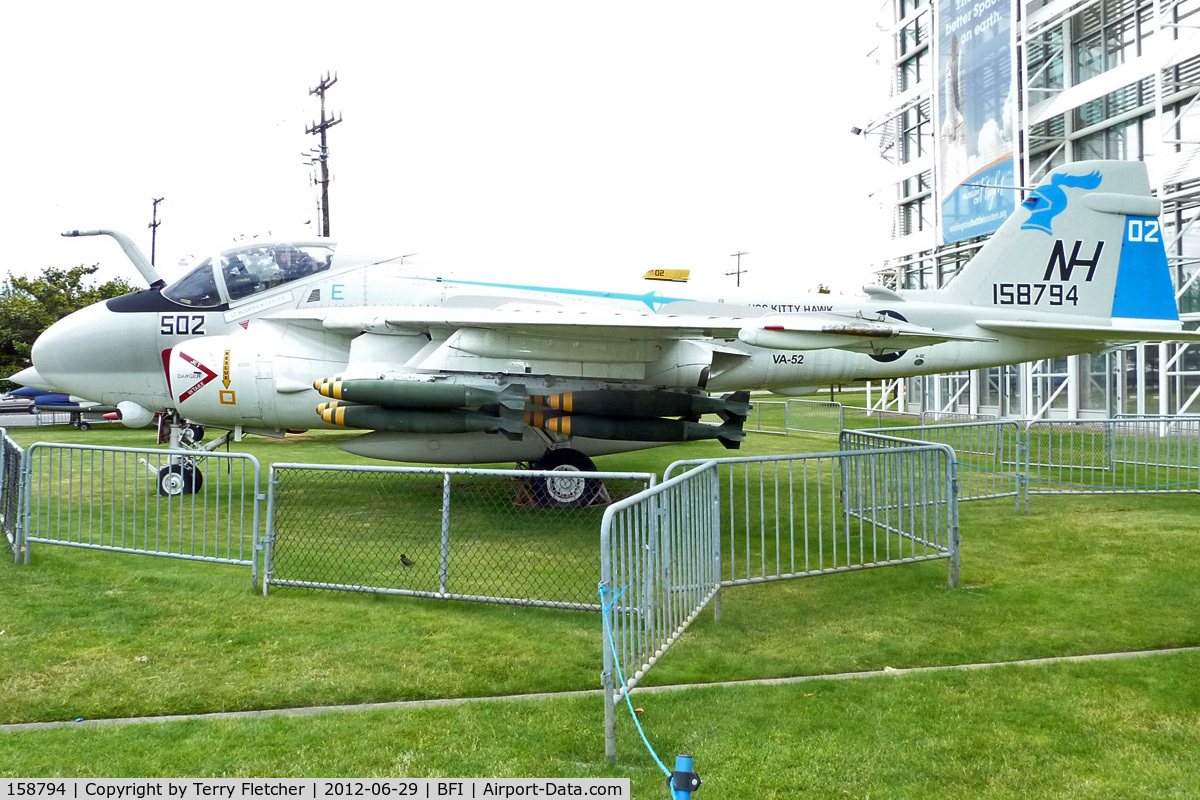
566, 489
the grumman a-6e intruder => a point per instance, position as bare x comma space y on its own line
269, 338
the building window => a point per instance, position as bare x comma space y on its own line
916, 133
912, 216
1108, 34
1121, 142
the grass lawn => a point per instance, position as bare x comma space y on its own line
94, 635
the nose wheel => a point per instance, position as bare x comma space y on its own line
183, 475
179, 479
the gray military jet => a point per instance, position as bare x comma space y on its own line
267, 338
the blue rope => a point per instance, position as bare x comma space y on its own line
604, 609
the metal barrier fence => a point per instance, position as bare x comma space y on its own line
767, 416
660, 565
1123, 455
797, 516
863, 417
814, 416
10, 494
453, 534
173, 503
1061, 456
989, 455
928, 417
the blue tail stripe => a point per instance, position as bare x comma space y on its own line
1144, 289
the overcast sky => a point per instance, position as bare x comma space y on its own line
547, 140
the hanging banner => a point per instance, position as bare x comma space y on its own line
975, 101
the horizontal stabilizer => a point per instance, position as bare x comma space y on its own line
1089, 333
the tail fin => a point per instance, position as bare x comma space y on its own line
731, 434
1085, 247
737, 406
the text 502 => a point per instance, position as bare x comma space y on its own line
181, 324
1034, 294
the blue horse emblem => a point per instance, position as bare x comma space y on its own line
1047, 202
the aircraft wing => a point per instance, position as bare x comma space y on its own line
813, 331
1089, 333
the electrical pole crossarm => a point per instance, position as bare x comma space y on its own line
319, 129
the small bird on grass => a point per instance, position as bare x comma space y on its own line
406, 561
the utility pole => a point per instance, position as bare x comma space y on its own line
154, 223
738, 255
322, 155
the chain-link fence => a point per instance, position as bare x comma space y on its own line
461, 534
175, 503
797, 516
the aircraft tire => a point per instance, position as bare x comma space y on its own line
179, 479
567, 491
84, 426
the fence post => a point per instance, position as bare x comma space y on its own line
444, 569
606, 675
25, 512
1023, 449
715, 528
268, 542
650, 570
953, 536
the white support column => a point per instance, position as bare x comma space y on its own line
1027, 408
1164, 385
1140, 353
1073, 383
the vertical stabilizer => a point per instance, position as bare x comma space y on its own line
1086, 243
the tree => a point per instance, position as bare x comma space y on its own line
30, 305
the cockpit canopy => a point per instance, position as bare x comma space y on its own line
246, 271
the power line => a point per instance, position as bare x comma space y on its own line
322, 155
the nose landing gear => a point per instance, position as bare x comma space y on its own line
179, 479
182, 475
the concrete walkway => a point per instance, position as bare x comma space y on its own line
309, 710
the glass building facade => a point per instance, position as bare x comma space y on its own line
1086, 79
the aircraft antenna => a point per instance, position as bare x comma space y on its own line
322, 156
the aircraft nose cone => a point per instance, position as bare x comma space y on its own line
88, 353
31, 378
